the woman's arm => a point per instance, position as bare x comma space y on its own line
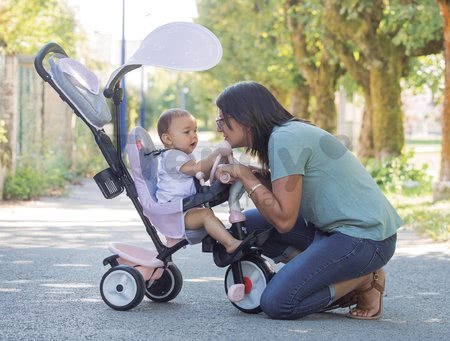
264, 177
280, 206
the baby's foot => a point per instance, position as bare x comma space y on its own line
233, 246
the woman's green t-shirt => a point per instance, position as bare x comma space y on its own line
338, 194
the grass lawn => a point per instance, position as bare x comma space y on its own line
419, 211
423, 215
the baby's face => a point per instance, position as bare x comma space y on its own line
183, 134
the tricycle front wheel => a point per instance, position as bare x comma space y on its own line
167, 287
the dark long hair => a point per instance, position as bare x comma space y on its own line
253, 105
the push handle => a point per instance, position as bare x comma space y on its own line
43, 52
225, 150
200, 176
116, 76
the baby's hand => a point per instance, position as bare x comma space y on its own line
200, 177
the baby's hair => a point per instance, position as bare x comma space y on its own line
166, 118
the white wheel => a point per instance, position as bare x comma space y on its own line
257, 273
122, 287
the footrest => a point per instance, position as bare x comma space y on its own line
222, 258
261, 237
141, 259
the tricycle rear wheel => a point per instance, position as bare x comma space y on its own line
122, 287
257, 273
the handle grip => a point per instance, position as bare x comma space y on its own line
225, 178
201, 178
116, 76
43, 52
225, 150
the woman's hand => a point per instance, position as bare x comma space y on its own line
234, 170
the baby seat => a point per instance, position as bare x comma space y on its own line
168, 218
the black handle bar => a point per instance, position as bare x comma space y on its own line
43, 52
116, 76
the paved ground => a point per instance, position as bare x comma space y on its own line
50, 269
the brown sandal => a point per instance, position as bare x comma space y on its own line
375, 284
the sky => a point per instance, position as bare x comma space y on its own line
141, 16
104, 17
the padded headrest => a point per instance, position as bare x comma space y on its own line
82, 88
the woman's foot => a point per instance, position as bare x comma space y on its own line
370, 298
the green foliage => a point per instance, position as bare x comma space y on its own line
349, 85
25, 184
3, 138
434, 222
167, 87
400, 175
412, 24
26, 25
33, 179
50, 172
87, 159
256, 43
4, 149
424, 215
383, 34
427, 72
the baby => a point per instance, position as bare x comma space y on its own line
177, 130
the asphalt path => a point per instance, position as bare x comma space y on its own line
51, 254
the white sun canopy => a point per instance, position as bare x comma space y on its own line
180, 46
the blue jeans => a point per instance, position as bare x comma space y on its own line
305, 285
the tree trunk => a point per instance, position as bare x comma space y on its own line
359, 71
325, 113
385, 91
441, 189
366, 149
321, 78
384, 62
299, 105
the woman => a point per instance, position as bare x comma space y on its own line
332, 225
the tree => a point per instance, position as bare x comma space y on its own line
256, 47
26, 25
441, 189
314, 60
376, 39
